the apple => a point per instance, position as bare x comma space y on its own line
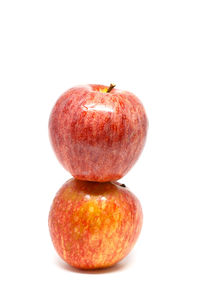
94, 225
98, 132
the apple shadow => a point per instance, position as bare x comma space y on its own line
118, 267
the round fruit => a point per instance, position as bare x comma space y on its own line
94, 225
98, 132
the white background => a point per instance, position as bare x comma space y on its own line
151, 48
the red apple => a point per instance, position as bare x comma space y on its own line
94, 225
98, 132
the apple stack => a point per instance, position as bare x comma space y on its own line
97, 133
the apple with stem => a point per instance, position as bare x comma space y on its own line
94, 225
98, 132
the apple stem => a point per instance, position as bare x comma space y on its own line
110, 88
122, 185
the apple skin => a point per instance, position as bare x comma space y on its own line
97, 136
94, 225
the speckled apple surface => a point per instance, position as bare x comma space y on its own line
98, 136
94, 225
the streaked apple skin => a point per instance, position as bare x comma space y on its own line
97, 136
94, 225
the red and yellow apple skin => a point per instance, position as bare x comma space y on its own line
94, 225
96, 135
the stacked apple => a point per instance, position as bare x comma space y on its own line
97, 133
